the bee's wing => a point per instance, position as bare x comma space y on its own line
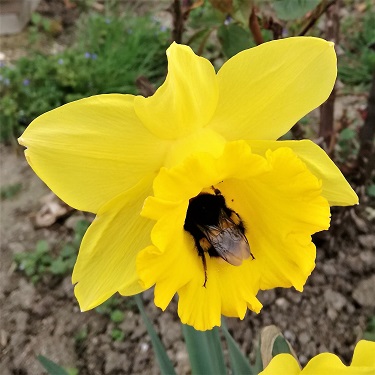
228, 241
231, 245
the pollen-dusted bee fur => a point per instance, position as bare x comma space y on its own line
216, 229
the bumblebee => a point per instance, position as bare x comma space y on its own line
216, 229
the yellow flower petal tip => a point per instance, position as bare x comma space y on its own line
363, 363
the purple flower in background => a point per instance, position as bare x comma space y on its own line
107, 21
94, 56
26, 82
60, 61
88, 55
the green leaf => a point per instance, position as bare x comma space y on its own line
347, 134
165, 364
280, 346
51, 367
371, 190
233, 39
205, 352
272, 342
68, 251
117, 316
239, 363
41, 247
293, 9
58, 267
258, 365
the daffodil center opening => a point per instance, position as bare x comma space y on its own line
216, 229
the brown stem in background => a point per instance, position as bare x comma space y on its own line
366, 155
326, 130
144, 86
315, 15
178, 21
255, 28
298, 131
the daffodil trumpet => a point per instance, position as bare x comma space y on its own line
138, 163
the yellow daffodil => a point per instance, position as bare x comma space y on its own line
141, 163
363, 363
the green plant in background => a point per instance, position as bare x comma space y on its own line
357, 64
114, 309
109, 54
41, 261
10, 191
370, 330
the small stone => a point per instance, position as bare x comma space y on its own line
367, 240
329, 269
114, 362
304, 338
332, 314
334, 299
364, 293
21, 318
266, 297
282, 303
289, 335
24, 296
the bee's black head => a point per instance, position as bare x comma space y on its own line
204, 209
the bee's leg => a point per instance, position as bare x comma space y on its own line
201, 252
216, 191
204, 268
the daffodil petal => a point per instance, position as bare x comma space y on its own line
91, 150
335, 188
328, 364
187, 99
265, 90
200, 306
282, 364
238, 287
364, 354
173, 261
106, 261
281, 209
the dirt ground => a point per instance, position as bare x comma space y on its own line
44, 319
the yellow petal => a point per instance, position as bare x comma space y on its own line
106, 261
364, 355
328, 364
91, 150
186, 100
282, 364
265, 90
281, 209
335, 188
173, 261
200, 306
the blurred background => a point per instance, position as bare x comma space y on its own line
56, 51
